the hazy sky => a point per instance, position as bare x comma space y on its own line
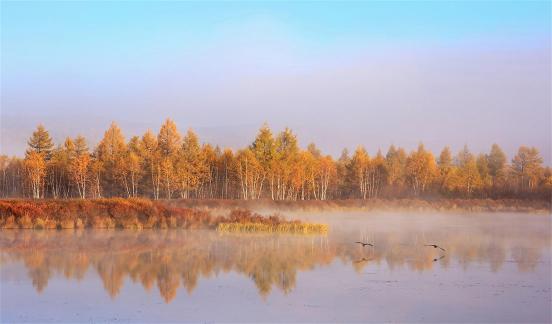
338, 73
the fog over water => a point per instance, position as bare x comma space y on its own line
495, 268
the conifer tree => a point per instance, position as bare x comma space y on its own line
40, 142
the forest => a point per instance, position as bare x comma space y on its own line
171, 165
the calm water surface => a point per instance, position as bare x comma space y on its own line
496, 268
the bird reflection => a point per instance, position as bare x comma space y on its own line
365, 244
363, 260
439, 258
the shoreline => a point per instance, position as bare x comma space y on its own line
139, 213
372, 205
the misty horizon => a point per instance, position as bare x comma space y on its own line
244, 135
339, 75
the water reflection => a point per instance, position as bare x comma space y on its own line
179, 258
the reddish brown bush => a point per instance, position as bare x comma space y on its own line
116, 213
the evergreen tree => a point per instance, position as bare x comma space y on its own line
40, 142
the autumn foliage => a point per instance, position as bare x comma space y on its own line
128, 214
246, 221
171, 165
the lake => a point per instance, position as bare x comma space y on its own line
495, 268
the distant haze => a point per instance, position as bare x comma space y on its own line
338, 74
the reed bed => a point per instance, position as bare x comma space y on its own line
137, 214
100, 213
288, 227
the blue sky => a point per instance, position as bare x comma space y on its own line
339, 73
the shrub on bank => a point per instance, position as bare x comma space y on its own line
130, 214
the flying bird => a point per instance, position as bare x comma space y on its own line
364, 244
435, 246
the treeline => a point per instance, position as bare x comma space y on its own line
168, 165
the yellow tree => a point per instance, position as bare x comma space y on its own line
370, 173
447, 171
96, 170
168, 144
378, 175
191, 166
79, 165
304, 168
312, 167
497, 166
327, 174
321, 172
546, 183
35, 169
110, 152
209, 185
527, 167
286, 153
421, 170
482, 163
226, 165
264, 148
249, 172
470, 179
40, 142
4, 164
79, 173
395, 161
346, 183
58, 174
360, 163
133, 162
150, 155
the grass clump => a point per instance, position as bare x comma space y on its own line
247, 221
287, 227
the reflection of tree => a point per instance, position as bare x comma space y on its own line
40, 276
167, 281
526, 257
111, 271
174, 258
497, 255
